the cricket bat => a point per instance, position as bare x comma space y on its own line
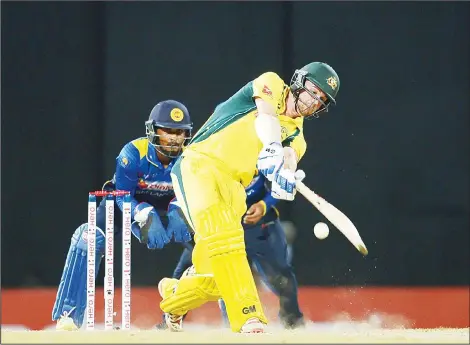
335, 216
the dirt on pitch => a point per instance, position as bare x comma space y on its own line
226, 337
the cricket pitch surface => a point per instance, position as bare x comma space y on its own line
223, 336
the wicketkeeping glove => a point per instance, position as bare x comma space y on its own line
148, 228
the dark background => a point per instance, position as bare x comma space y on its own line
79, 79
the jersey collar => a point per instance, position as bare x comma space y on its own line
152, 158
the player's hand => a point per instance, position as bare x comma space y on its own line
283, 185
270, 160
255, 213
177, 225
148, 227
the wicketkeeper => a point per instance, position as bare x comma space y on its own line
143, 168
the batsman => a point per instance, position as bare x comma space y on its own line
245, 133
143, 168
266, 249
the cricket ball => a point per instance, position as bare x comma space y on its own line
321, 230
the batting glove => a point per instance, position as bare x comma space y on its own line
270, 160
283, 185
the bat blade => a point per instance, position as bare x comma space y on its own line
335, 216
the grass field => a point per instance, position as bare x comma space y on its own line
193, 336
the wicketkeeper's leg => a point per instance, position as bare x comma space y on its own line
71, 294
272, 262
184, 262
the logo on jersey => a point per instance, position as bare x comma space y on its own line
124, 161
332, 82
155, 186
177, 115
267, 91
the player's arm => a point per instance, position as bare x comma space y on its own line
268, 91
147, 226
126, 175
290, 158
294, 150
268, 200
259, 209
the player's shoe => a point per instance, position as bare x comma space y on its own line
166, 287
252, 325
174, 322
292, 322
162, 326
65, 323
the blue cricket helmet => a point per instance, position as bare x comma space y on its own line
171, 114
168, 114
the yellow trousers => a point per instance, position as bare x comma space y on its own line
213, 202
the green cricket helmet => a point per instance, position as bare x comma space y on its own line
323, 76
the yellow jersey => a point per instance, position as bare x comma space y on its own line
229, 136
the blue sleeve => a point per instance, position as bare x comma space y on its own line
126, 178
268, 198
269, 201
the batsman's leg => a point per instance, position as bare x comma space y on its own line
221, 303
214, 203
69, 306
187, 293
183, 264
